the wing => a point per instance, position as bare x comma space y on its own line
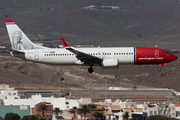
84, 57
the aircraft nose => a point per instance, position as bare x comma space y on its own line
173, 57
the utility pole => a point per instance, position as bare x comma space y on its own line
105, 102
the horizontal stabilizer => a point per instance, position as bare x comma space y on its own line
15, 51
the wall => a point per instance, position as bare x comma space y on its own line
18, 109
31, 102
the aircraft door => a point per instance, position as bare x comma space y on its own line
156, 53
36, 55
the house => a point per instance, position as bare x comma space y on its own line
98, 108
113, 112
168, 110
48, 112
149, 109
177, 106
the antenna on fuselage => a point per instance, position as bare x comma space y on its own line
156, 45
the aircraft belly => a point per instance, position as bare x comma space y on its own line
58, 60
126, 60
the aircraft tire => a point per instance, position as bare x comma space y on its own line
90, 70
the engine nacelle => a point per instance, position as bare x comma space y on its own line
110, 63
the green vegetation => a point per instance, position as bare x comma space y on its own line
73, 111
84, 109
42, 108
92, 106
160, 117
126, 115
12, 116
57, 111
98, 115
33, 117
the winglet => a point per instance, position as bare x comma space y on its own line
64, 42
8, 20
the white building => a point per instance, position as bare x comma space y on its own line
5, 91
12, 100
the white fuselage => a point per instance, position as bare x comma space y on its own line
62, 56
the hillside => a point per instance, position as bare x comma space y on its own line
137, 23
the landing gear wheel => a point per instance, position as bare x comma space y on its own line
159, 69
90, 70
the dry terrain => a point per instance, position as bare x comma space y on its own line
137, 23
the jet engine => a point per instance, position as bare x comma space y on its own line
109, 63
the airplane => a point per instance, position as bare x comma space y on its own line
105, 57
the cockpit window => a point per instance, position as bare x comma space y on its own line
166, 52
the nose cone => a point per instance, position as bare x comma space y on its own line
173, 57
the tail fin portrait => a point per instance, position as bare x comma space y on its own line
19, 41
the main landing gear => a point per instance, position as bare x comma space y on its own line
90, 69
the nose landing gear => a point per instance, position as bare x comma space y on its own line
90, 69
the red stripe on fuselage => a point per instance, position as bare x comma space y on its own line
151, 56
